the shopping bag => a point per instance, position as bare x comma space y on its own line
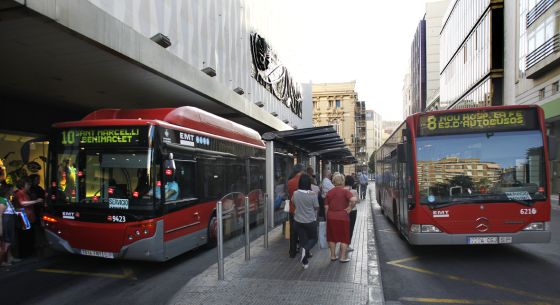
24, 221
287, 206
323, 235
287, 229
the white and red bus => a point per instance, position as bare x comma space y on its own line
143, 184
467, 176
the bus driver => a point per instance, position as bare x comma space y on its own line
171, 190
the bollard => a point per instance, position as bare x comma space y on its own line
220, 242
247, 235
266, 220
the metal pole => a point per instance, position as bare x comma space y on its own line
247, 237
220, 242
270, 180
266, 220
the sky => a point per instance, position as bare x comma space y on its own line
339, 41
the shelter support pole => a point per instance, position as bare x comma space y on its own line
270, 183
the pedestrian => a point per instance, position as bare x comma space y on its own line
311, 175
25, 238
293, 184
8, 213
326, 186
338, 204
348, 183
305, 217
363, 179
279, 193
36, 192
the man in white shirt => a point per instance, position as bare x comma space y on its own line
327, 184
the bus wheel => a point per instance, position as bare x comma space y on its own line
212, 233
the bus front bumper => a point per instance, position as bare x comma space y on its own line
476, 239
147, 249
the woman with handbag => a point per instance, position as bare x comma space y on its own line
25, 237
8, 224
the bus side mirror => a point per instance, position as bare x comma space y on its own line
405, 135
401, 153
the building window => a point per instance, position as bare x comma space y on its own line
337, 103
330, 104
555, 87
541, 94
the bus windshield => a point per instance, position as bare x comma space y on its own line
104, 179
481, 167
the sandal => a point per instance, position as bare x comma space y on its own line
345, 260
334, 258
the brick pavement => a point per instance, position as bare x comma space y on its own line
271, 277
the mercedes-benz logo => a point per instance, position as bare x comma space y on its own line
482, 224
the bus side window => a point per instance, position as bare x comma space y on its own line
184, 175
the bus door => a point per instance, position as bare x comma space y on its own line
402, 167
176, 191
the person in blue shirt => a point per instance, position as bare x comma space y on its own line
171, 190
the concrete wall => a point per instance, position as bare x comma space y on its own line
203, 33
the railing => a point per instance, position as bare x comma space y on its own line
552, 45
538, 10
231, 208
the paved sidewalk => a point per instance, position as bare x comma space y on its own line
271, 277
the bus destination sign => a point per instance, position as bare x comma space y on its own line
102, 136
479, 121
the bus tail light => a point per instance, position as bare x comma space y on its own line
49, 219
416, 228
536, 226
139, 231
51, 224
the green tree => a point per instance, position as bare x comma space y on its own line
463, 181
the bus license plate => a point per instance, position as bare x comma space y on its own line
483, 240
97, 253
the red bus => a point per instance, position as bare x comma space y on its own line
467, 176
143, 184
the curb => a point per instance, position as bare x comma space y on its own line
374, 271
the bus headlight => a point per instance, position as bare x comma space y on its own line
416, 228
535, 226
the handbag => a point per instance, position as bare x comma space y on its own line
323, 235
23, 221
287, 206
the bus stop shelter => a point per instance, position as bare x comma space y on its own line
319, 144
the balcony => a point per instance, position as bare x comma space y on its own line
538, 10
544, 58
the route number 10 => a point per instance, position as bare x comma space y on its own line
68, 137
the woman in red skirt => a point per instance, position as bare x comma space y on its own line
338, 204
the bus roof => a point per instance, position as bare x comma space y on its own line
186, 116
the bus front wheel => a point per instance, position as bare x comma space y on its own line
212, 233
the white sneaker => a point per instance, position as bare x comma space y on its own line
305, 266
